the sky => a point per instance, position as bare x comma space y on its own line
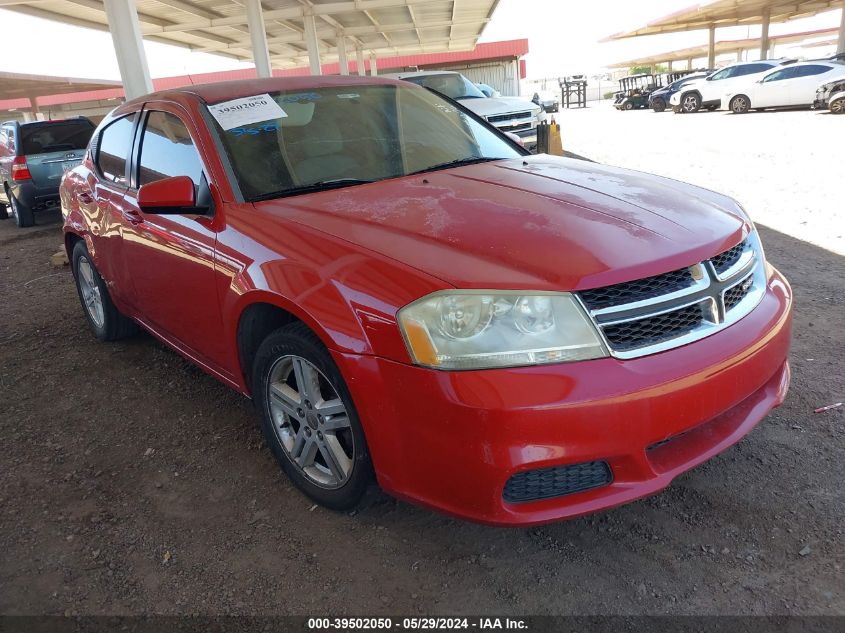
563, 40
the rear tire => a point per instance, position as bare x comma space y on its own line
740, 104
311, 424
104, 319
658, 105
629, 106
24, 217
4, 211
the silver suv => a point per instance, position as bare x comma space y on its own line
509, 114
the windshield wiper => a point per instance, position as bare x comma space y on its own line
471, 160
321, 185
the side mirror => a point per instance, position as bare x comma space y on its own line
175, 195
516, 139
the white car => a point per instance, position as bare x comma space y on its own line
708, 92
789, 86
509, 114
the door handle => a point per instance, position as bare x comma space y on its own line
132, 216
85, 197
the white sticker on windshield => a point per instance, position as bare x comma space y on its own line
238, 112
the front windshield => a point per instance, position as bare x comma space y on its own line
351, 134
453, 85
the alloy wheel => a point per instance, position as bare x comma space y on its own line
310, 421
90, 292
838, 106
739, 105
690, 103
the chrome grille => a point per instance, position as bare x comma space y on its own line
513, 116
723, 261
649, 315
633, 334
637, 290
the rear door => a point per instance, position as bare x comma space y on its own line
170, 258
802, 91
105, 185
7, 154
53, 147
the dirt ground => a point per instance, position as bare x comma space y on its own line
132, 483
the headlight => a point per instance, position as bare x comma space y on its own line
466, 329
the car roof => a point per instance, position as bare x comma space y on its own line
228, 90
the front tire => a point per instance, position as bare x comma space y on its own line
740, 104
837, 106
309, 419
691, 102
104, 319
629, 106
24, 217
658, 105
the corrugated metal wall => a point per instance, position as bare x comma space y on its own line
499, 75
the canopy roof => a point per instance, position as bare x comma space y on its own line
730, 13
726, 46
20, 86
383, 27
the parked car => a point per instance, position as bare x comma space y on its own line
790, 86
509, 114
659, 99
408, 295
33, 157
708, 92
831, 96
548, 100
488, 91
634, 92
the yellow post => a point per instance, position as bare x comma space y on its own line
555, 141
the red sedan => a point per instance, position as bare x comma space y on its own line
410, 297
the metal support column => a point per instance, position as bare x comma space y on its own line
359, 57
373, 65
342, 60
711, 47
840, 48
312, 44
122, 16
764, 35
258, 38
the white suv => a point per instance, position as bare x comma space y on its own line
708, 92
508, 114
789, 86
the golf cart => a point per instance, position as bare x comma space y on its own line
634, 91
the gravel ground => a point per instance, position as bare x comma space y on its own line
132, 483
785, 167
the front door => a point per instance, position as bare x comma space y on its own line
170, 258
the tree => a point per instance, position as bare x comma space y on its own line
646, 70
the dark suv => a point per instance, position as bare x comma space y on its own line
33, 158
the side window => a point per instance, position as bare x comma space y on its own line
167, 150
722, 74
815, 69
784, 73
113, 149
12, 144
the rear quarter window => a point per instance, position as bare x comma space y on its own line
58, 136
113, 149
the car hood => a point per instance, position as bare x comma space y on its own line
498, 105
538, 222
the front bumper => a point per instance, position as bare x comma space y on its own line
452, 440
